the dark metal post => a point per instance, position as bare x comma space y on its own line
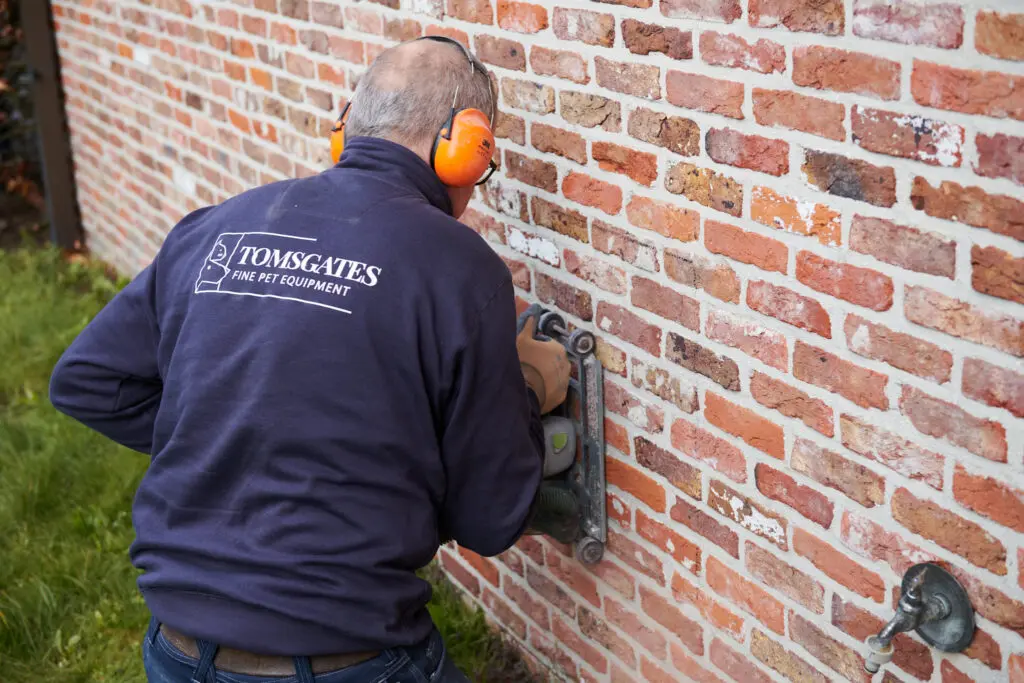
51, 124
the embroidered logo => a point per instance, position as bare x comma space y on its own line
276, 266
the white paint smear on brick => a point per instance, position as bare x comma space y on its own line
534, 246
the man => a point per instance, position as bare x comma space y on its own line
327, 377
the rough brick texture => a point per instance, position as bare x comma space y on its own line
796, 227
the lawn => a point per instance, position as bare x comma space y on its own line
69, 608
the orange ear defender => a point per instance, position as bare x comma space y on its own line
463, 150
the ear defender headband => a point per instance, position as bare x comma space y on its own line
463, 149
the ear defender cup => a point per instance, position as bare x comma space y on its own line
463, 148
338, 136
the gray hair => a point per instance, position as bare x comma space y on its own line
407, 93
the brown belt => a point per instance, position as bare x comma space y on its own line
251, 664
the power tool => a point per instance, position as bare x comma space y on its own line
570, 505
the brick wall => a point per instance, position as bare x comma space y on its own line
796, 227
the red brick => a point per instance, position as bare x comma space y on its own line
642, 39
736, 666
705, 446
910, 655
592, 28
628, 327
703, 93
615, 576
590, 111
685, 665
789, 307
986, 650
504, 614
997, 273
748, 514
792, 402
612, 358
757, 341
618, 242
725, 11
587, 652
771, 654
707, 526
549, 590
532, 548
996, 386
705, 186
476, 11
835, 654
989, 93
622, 402
817, 16
563, 64
991, 603
608, 278
850, 178
1016, 668
570, 572
663, 218
652, 673
781, 487
636, 483
558, 655
763, 56
899, 350
682, 627
558, 141
746, 247
346, 50
482, 565
948, 422
502, 52
1000, 35
683, 476
1000, 156
951, 531
951, 674
839, 567
696, 358
792, 215
910, 23
674, 133
760, 433
782, 109
563, 221
460, 574
937, 311
711, 610
401, 30
541, 174
871, 541
618, 511
589, 191
663, 301
860, 286
639, 80
641, 167
791, 582
665, 386
911, 137
595, 629
970, 205
903, 246
528, 96
892, 451
685, 553
816, 366
828, 68
564, 296
453, 33
521, 17
636, 556
833, 470
727, 146
367, 20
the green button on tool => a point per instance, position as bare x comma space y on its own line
559, 441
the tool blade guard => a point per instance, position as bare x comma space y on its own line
571, 503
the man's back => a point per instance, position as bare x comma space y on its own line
322, 346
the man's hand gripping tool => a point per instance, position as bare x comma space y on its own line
570, 505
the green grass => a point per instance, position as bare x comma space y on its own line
69, 608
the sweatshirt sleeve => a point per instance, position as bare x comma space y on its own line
493, 443
108, 378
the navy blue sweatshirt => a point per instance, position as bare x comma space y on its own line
325, 376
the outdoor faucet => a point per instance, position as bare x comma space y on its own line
935, 605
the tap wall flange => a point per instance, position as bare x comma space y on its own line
954, 631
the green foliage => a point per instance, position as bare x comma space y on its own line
69, 608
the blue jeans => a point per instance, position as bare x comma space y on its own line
427, 662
